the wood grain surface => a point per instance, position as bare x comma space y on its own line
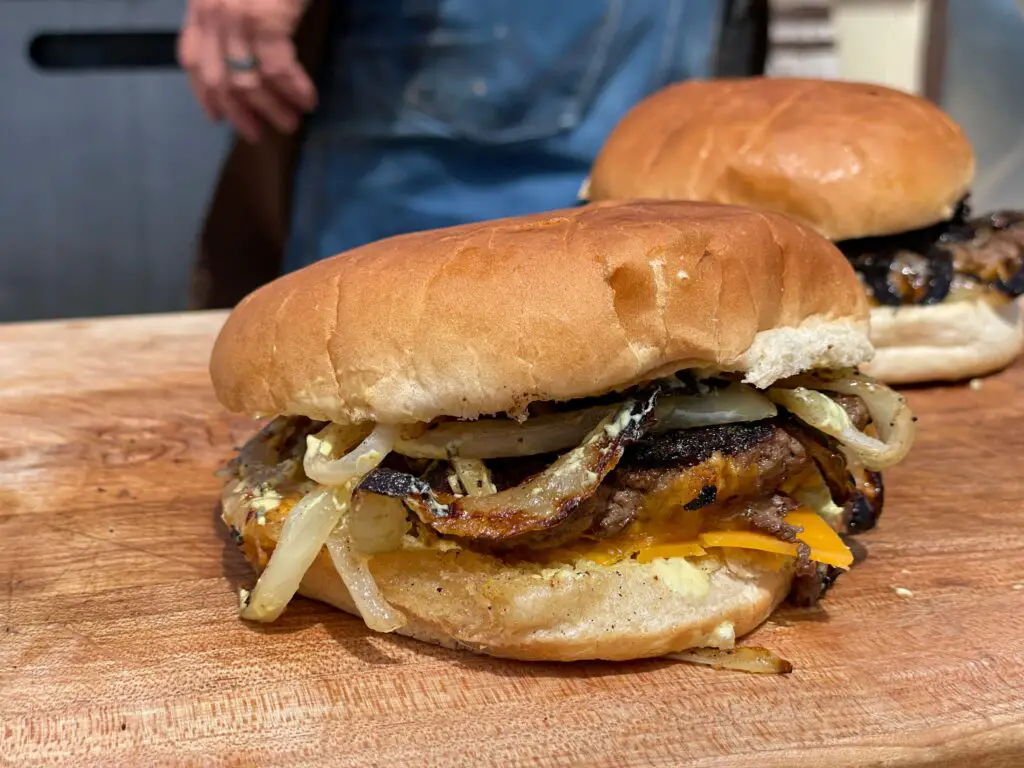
119, 643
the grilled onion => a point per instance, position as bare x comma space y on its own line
377, 523
355, 463
732, 404
474, 477
500, 438
816, 496
354, 569
311, 521
263, 449
536, 505
306, 529
748, 659
889, 414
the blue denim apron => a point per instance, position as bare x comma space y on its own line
440, 112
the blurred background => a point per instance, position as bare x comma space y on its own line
109, 164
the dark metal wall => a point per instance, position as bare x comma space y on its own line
107, 166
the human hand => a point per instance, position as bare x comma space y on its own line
242, 64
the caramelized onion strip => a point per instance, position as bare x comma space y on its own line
535, 505
311, 522
474, 477
354, 569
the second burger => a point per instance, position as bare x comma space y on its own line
884, 174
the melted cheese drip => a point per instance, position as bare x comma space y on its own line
681, 537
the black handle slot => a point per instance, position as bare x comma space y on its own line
92, 51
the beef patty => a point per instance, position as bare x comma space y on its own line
693, 467
923, 266
711, 465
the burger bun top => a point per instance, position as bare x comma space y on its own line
848, 159
485, 318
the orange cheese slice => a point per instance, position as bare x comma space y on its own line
826, 546
683, 549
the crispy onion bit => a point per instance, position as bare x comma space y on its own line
748, 659
535, 505
474, 477
354, 569
355, 463
304, 532
500, 438
889, 414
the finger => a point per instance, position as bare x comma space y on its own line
240, 86
187, 53
211, 70
282, 71
211, 104
219, 91
237, 51
188, 57
271, 107
207, 99
242, 118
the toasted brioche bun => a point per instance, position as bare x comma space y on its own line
848, 159
485, 318
949, 341
625, 611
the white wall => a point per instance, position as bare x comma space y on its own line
883, 41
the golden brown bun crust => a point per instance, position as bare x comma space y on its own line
625, 611
484, 318
944, 342
849, 159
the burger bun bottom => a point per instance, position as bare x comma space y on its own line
629, 610
944, 342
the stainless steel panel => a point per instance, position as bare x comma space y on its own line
984, 92
105, 174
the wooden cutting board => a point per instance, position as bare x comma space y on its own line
119, 643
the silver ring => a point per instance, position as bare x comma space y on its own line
244, 64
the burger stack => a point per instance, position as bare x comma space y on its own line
883, 174
622, 430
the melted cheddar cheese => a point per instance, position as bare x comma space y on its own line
682, 536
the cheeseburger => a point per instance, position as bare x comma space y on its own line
884, 174
612, 432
